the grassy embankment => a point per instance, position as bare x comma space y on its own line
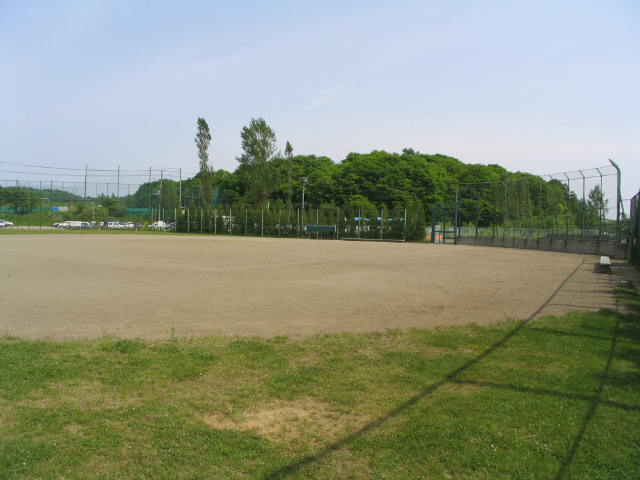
556, 398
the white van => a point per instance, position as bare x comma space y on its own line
75, 224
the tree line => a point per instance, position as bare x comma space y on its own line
487, 194
266, 176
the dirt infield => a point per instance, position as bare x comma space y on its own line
79, 286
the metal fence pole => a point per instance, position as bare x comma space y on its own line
566, 221
618, 200
584, 203
600, 206
404, 228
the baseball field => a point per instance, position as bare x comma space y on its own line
87, 286
129, 356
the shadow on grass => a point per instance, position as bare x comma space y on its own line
449, 378
631, 330
571, 334
551, 393
297, 465
595, 401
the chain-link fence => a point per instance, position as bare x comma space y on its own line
581, 204
162, 200
310, 222
91, 195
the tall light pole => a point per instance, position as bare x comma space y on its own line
304, 182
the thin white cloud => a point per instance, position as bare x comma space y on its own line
325, 97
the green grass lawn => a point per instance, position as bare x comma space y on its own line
555, 398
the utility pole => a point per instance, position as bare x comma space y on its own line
304, 182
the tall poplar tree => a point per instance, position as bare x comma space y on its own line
203, 139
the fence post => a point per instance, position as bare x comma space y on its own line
188, 220
262, 222
215, 221
404, 228
337, 221
618, 199
245, 221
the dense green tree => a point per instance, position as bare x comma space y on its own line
21, 200
115, 206
258, 149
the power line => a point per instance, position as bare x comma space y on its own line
142, 172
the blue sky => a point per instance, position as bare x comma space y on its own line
535, 86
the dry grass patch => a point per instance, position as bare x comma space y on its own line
92, 395
304, 419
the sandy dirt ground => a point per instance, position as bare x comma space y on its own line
86, 286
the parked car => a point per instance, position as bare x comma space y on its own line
128, 225
75, 225
5, 224
113, 224
138, 225
159, 225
